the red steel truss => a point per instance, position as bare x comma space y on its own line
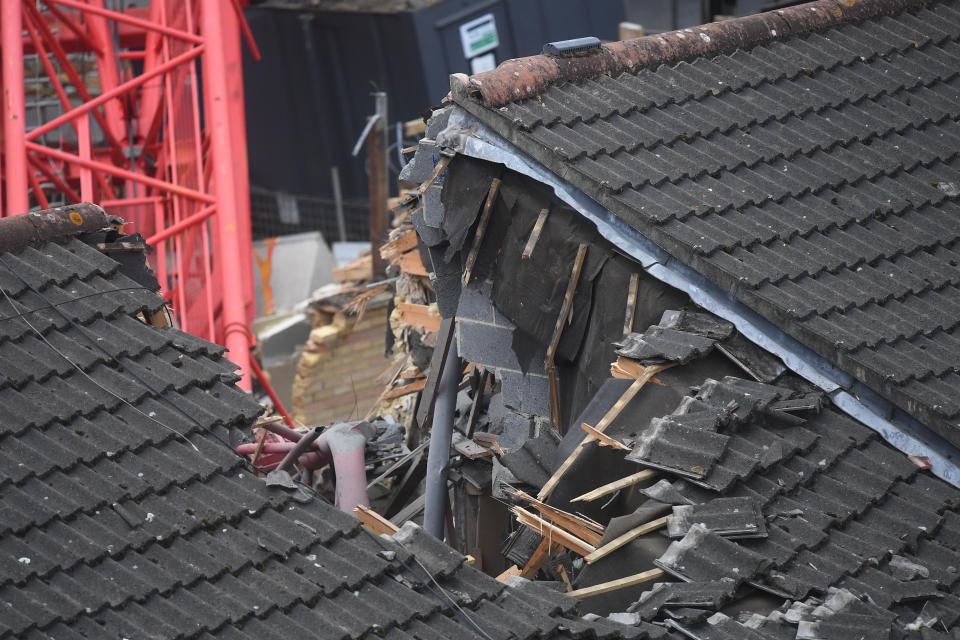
103, 102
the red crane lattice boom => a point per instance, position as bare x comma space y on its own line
107, 105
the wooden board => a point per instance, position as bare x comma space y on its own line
613, 585
535, 234
411, 263
617, 485
399, 245
540, 556
481, 229
512, 571
629, 536
440, 350
605, 422
420, 315
554, 533
579, 526
413, 387
469, 448
360, 270
603, 439
374, 522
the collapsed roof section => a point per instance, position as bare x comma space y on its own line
813, 177
125, 511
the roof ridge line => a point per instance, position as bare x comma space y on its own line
38, 227
523, 78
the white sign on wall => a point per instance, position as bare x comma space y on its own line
479, 36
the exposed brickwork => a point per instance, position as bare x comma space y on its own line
336, 375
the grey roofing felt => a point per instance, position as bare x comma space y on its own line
122, 516
816, 178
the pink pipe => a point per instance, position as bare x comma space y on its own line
349, 466
342, 446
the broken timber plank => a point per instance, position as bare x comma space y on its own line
429, 397
512, 571
613, 585
566, 579
553, 532
628, 369
535, 234
605, 422
469, 448
617, 485
374, 522
481, 229
399, 245
579, 526
632, 291
540, 556
557, 332
411, 263
421, 315
629, 536
413, 387
604, 439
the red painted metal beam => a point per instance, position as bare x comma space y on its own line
186, 223
115, 92
137, 22
14, 113
231, 227
120, 173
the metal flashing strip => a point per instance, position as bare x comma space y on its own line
468, 136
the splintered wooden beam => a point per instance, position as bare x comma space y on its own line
540, 556
566, 579
632, 291
605, 422
421, 315
397, 392
374, 522
578, 526
512, 571
613, 585
437, 360
481, 229
623, 539
617, 485
553, 532
603, 439
411, 264
399, 245
535, 234
557, 332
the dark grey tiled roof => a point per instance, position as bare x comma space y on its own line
124, 513
843, 511
816, 178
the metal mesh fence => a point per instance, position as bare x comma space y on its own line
277, 213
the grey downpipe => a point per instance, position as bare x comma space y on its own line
441, 435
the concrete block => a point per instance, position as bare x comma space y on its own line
432, 206
491, 346
528, 393
475, 303
515, 430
